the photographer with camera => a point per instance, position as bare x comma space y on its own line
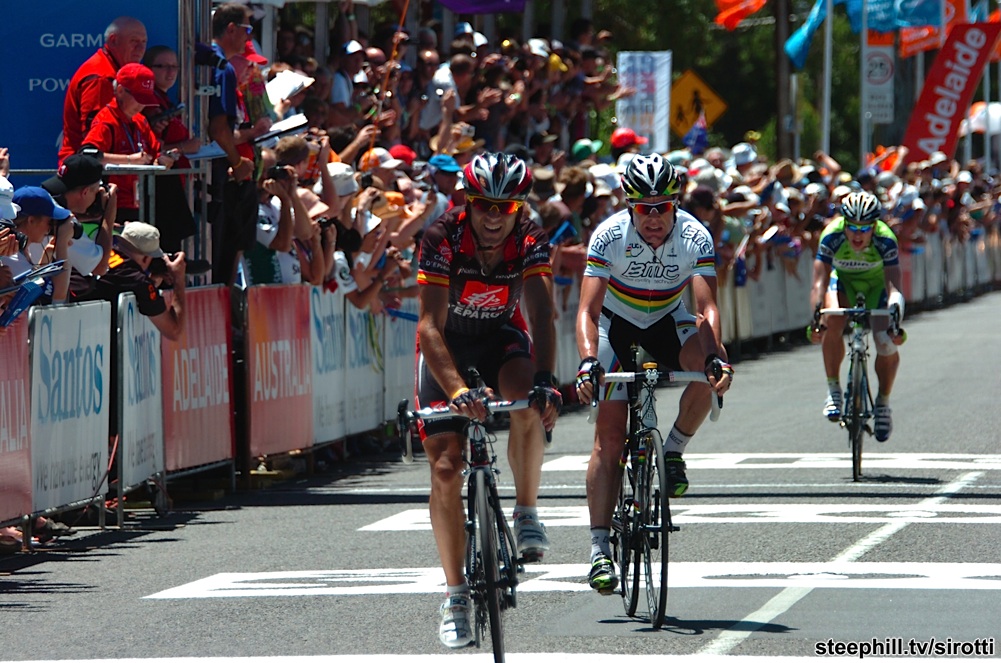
77, 186
43, 231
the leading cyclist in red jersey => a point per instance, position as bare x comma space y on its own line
478, 266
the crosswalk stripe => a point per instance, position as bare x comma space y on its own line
809, 461
483, 656
686, 513
571, 578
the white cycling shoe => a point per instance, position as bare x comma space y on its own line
455, 631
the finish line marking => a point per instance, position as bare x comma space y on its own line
572, 578
577, 516
810, 461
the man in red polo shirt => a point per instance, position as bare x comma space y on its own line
122, 133
91, 87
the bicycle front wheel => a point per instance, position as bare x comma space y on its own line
856, 423
655, 529
626, 551
493, 588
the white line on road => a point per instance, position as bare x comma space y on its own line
546, 657
687, 514
539, 578
800, 461
787, 598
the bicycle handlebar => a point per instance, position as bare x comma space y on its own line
893, 313
674, 377
405, 417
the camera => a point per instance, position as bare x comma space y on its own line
96, 209
277, 173
325, 222
22, 239
366, 180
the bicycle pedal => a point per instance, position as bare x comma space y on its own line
531, 557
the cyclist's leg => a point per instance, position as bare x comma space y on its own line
603, 471
839, 293
506, 364
886, 365
443, 443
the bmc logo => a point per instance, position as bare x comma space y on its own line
481, 295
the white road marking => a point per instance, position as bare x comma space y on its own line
797, 461
571, 578
577, 516
726, 641
546, 657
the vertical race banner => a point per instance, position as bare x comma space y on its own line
399, 348
877, 84
70, 392
45, 43
363, 395
327, 336
198, 385
279, 371
15, 423
947, 90
647, 112
140, 397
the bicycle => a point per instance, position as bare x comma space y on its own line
641, 523
858, 403
491, 565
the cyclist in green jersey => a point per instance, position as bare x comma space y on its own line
858, 254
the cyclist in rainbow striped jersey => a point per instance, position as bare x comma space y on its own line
640, 261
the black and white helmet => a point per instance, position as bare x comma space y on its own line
649, 176
860, 207
497, 176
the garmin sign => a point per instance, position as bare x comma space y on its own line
48, 42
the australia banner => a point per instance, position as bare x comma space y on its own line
948, 88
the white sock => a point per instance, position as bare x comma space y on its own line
527, 511
599, 542
676, 441
452, 590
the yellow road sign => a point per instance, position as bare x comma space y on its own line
689, 96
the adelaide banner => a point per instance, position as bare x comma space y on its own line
947, 90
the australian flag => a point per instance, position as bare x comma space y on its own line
697, 138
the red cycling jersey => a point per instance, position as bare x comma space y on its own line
480, 303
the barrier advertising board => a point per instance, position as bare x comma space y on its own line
327, 329
198, 384
279, 371
70, 399
140, 397
15, 441
364, 370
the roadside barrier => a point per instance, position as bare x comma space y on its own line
304, 368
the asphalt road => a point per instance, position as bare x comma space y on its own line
778, 550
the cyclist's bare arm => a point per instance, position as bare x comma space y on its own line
892, 279
592, 296
710, 331
821, 279
431, 336
538, 294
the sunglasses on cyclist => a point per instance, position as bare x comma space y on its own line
652, 208
489, 205
859, 229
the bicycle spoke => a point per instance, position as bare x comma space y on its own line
626, 553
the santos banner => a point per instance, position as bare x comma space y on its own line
140, 404
70, 392
43, 44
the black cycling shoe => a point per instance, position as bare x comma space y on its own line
677, 482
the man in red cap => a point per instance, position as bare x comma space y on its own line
90, 89
122, 133
625, 140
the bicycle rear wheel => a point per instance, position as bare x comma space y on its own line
856, 424
492, 588
655, 529
626, 552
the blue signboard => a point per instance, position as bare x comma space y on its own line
42, 44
